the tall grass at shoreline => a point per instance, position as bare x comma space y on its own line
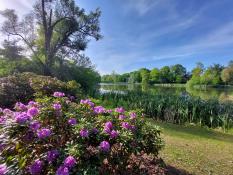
174, 109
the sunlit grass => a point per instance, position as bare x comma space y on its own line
197, 150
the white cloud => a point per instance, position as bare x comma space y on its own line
143, 6
21, 6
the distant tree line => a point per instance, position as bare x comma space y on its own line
215, 74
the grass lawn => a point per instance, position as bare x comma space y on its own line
197, 150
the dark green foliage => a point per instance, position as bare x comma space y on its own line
175, 109
13, 89
22, 87
11, 50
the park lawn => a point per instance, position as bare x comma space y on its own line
197, 150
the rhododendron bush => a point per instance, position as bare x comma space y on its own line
54, 135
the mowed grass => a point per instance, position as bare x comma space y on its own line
197, 150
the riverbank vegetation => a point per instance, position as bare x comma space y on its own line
214, 75
173, 108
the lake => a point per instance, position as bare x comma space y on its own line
222, 94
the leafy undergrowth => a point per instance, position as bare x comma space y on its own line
197, 150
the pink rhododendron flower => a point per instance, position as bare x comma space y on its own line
99, 109
114, 134
32, 103
52, 155
7, 111
2, 119
21, 118
107, 130
120, 110
33, 111
36, 167
109, 111
43, 133
62, 170
87, 102
108, 127
122, 117
132, 115
70, 161
58, 94
3, 169
34, 125
20, 106
108, 124
104, 146
72, 121
57, 106
126, 125
84, 133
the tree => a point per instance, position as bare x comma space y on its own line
64, 30
227, 74
178, 73
154, 76
165, 75
196, 74
212, 75
11, 50
135, 77
145, 74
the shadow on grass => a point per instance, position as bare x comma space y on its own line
192, 132
174, 171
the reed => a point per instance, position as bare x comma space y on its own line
173, 108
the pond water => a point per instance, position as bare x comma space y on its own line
222, 94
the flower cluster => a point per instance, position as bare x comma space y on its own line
3, 169
58, 94
87, 102
57, 106
105, 146
67, 144
69, 163
43, 133
36, 167
72, 121
52, 155
120, 110
99, 109
84, 133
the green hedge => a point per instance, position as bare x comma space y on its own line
24, 86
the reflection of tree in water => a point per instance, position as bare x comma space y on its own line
210, 93
220, 94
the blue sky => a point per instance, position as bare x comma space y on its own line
155, 33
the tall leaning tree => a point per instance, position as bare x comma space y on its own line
54, 30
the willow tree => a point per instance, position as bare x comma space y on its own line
55, 29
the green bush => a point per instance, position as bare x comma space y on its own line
54, 135
24, 86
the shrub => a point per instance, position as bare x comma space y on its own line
57, 136
22, 87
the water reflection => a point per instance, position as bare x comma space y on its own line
220, 94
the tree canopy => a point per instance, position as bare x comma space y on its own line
53, 37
